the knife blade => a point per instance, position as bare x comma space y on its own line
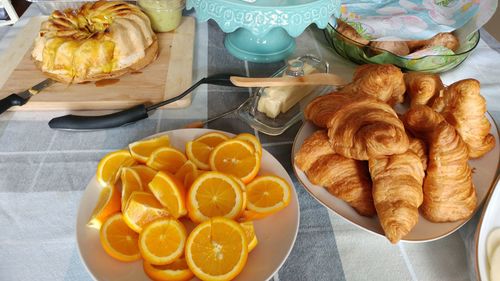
19, 99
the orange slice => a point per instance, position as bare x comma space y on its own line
252, 140
249, 229
141, 150
187, 168
199, 153
109, 166
212, 139
217, 249
118, 240
243, 189
251, 216
199, 149
236, 157
107, 204
176, 271
214, 194
169, 191
146, 174
131, 181
268, 194
166, 159
189, 179
142, 208
162, 241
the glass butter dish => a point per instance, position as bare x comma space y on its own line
272, 110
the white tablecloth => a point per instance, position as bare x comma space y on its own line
43, 174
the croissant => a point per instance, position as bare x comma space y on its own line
351, 33
463, 107
320, 109
382, 81
444, 39
418, 147
449, 194
399, 48
344, 178
366, 128
422, 87
397, 192
314, 147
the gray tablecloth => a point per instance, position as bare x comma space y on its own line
43, 174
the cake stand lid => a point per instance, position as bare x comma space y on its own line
260, 16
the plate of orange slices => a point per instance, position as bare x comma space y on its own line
188, 204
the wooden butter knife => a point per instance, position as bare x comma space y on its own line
310, 79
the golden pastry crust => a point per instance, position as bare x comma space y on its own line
399, 48
320, 109
449, 194
367, 128
397, 192
444, 39
351, 33
422, 87
313, 148
382, 81
463, 107
344, 178
418, 147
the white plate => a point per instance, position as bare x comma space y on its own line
276, 233
485, 171
489, 221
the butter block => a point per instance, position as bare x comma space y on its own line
276, 100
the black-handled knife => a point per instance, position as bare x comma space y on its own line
21, 98
131, 115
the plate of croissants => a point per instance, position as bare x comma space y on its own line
399, 154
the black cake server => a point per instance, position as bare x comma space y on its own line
130, 115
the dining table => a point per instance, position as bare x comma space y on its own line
44, 172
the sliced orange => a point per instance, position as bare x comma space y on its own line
131, 181
107, 204
118, 240
109, 166
243, 189
187, 168
176, 271
199, 153
166, 159
143, 208
146, 174
249, 229
162, 241
189, 179
236, 157
141, 150
217, 249
214, 194
212, 139
251, 216
268, 194
252, 140
169, 191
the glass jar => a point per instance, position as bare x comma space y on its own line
165, 15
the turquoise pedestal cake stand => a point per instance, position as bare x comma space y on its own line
264, 30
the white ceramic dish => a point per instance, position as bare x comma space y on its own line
276, 233
484, 175
490, 220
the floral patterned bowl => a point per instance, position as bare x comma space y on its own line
368, 54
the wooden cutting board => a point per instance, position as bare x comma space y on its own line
168, 76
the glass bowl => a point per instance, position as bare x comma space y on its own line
354, 52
